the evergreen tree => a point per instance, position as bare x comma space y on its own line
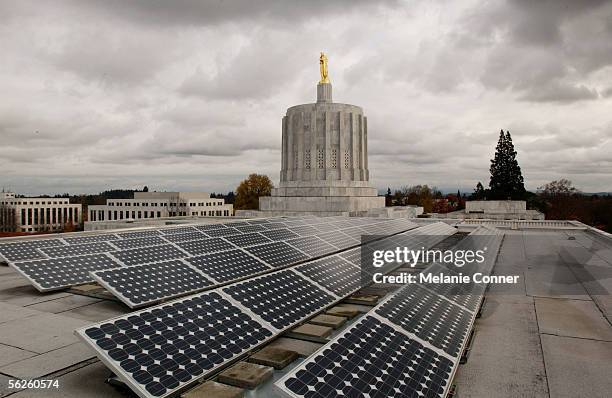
388, 198
506, 177
479, 192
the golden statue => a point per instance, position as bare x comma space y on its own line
323, 68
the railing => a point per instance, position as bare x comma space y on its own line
512, 224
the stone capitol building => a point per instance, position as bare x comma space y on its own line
324, 162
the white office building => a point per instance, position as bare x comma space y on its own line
160, 204
37, 214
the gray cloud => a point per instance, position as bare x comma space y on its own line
189, 95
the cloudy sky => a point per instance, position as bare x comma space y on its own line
189, 95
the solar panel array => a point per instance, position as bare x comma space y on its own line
172, 345
165, 244
407, 346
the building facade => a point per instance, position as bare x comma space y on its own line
37, 214
160, 204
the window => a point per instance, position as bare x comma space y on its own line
347, 159
321, 158
158, 214
307, 159
334, 159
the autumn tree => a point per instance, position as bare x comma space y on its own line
506, 176
419, 195
250, 190
563, 200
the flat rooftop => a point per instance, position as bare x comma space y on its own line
550, 335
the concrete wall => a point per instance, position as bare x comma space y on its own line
496, 206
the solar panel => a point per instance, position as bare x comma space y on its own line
228, 266
326, 227
355, 233
183, 237
429, 317
26, 250
338, 239
353, 256
466, 296
258, 221
235, 224
77, 250
208, 227
91, 238
250, 228
370, 359
178, 230
246, 240
305, 230
275, 225
144, 284
277, 254
162, 349
222, 232
139, 234
149, 254
279, 234
203, 246
282, 298
312, 246
59, 273
334, 274
139, 242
